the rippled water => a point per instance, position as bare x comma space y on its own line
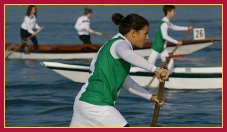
36, 96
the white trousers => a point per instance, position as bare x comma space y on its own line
86, 114
154, 55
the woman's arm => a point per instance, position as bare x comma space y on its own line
164, 30
123, 50
178, 28
93, 31
37, 26
136, 89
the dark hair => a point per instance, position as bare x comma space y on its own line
30, 9
131, 21
167, 8
87, 11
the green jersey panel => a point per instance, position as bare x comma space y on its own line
107, 77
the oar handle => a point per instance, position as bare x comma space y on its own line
35, 33
163, 74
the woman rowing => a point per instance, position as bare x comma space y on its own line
29, 25
161, 37
109, 72
82, 26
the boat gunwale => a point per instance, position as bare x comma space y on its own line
144, 73
77, 48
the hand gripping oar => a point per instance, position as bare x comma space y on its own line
162, 84
23, 42
170, 56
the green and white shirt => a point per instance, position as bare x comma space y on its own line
161, 36
109, 73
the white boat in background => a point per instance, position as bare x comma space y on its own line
182, 78
87, 51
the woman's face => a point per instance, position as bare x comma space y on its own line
140, 37
33, 11
89, 15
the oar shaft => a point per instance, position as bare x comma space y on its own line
106, 36
157, 106
165, 64
162, 84
24, 42
185, 35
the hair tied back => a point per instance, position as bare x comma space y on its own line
117, 18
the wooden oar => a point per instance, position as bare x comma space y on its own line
106, 36
170, 55
162, 84
23, 42
160, 98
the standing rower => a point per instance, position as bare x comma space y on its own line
82, 26
29, 25
109, 72
161, 37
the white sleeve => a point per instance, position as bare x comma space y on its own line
178, 28
136, 89
123, 50
37, 26
92, 31
27, 21
164, 30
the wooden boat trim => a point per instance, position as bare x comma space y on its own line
88, 48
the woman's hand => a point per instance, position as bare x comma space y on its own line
161, 74
155, 99
190, 28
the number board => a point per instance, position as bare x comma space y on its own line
199, 33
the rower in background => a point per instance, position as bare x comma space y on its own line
161, 37
29, 25
82, 26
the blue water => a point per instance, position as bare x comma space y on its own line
36, 96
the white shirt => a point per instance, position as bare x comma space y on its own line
82, 26
30, 24
168, 25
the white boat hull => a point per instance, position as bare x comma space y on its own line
183, 78
182, 51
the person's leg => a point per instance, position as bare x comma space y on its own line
85, 38
153, 56
23, 34
35, 42
170, 66
88, 39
